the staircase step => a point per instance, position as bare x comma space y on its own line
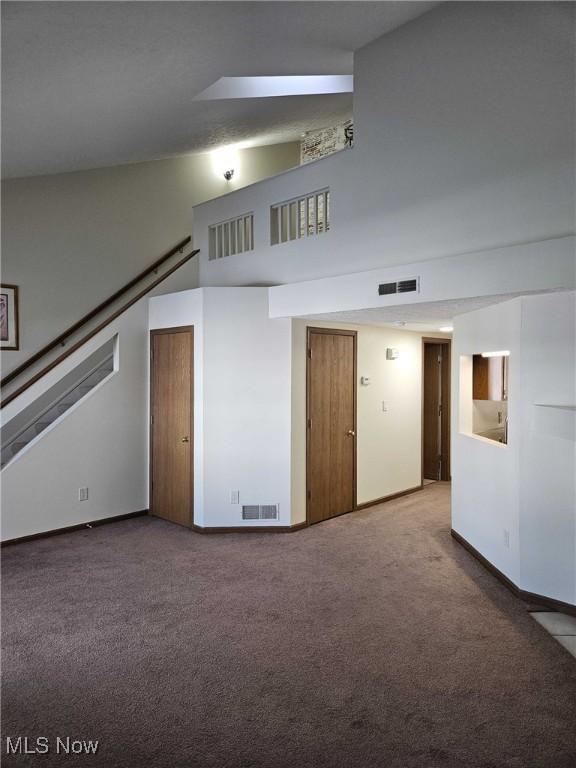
105, 370
26, 436
43, 419
98, 376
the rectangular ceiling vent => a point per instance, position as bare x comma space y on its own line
260, 512
401, 286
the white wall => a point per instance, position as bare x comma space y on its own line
241, 400
390, 442
246, 405
485, 473
528, 486
464, 126
267, 265
70, 240
464, 122
547, 449
242, 362
501, 273
101, 445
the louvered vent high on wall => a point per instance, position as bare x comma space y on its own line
260, 512
300, 217
231, 237
409, 285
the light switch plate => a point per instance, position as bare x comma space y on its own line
234, 497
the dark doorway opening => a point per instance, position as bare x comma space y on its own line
435, 409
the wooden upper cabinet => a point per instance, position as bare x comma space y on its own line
489, 378
504, 378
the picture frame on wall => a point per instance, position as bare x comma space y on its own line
8, 316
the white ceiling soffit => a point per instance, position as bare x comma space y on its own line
93, 84
263, 87
424, 316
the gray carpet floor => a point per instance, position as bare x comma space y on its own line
370, 641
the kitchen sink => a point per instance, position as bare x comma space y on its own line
497, 434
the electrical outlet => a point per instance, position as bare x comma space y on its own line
234, 497
82, 494
506, 538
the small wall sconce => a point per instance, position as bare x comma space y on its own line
392, 353
226, 162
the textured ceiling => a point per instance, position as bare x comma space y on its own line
91, 84
427, 316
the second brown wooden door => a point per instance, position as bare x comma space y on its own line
171, 425
331, 424
436, 411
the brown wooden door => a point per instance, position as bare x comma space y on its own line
172, 356
436, 411
331, 454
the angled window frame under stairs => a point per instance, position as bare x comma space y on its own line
49, 410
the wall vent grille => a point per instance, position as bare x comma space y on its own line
410, 285
231, 237
260, 512
300, 217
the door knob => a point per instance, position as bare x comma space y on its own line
351, 433
185, 439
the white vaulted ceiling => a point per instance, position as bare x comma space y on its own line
92, 84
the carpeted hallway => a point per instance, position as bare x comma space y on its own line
369, 641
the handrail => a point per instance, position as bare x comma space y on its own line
93, 312
100, 327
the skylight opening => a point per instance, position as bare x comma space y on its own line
274, 86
